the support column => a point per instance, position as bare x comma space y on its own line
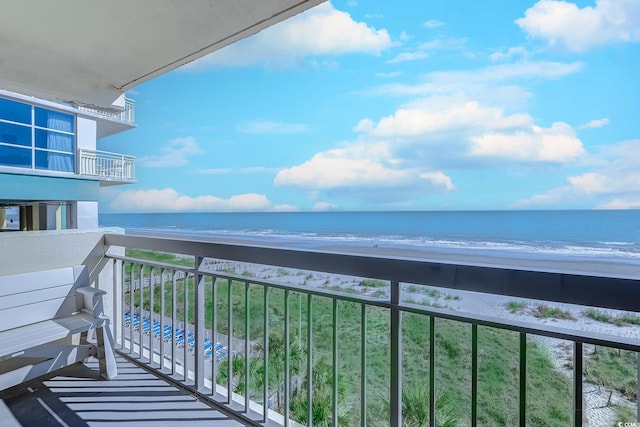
58, 214
34, 223
24, 218
43, 217
53, 217
3, 218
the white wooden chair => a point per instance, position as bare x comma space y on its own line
45, 319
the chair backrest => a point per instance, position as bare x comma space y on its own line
41, 295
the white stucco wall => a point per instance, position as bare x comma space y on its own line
86, 133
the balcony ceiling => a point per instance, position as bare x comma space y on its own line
90, 52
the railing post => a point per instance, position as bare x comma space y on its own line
395, 399
474, 375
577, 384
199, 303
523, 379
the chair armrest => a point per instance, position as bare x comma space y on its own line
91, 300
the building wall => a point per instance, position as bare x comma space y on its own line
43, 191
86, 133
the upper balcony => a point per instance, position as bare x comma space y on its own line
127, 115
112, 121
279, 336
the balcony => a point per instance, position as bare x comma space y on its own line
358, 335
127, 115
111, 168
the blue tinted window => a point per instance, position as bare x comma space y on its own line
54, 140
54, 161
15, 156
54, 120
15, 111
15, 134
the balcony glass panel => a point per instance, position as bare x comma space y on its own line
15, 156
54, 161
15, 111
15, 134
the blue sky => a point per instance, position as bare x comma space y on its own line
407, 105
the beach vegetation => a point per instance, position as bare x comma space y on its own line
627, 319
620, 320
614, 369
281, 272
379, 294
597, 315
343, 290
433, 293
543, 311
624, 415
412, 289
373, 283
515, 306
548, 389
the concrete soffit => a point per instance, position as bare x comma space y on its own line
90, 52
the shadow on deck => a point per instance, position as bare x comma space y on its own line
77, 396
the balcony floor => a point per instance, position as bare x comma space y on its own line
76, 396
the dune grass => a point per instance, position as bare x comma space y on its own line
549, 391
544, 311
620, 320
515, 306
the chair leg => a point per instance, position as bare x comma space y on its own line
106, 353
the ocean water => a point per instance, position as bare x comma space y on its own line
610, 235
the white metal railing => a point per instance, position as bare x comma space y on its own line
223, 351
127, 115
108, 166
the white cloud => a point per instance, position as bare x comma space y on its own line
433, 23
488, 81
577, 29
324, 206
479, 131
509, 53
595, 124
174, 153
390, 75
272, 127
244, 171
419, 119
362, 169
285, 208
405, 154
322, 30
422, 51
444, 43
620, 204
408, 56
169, 200
557, 144
614, 185
404, 36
